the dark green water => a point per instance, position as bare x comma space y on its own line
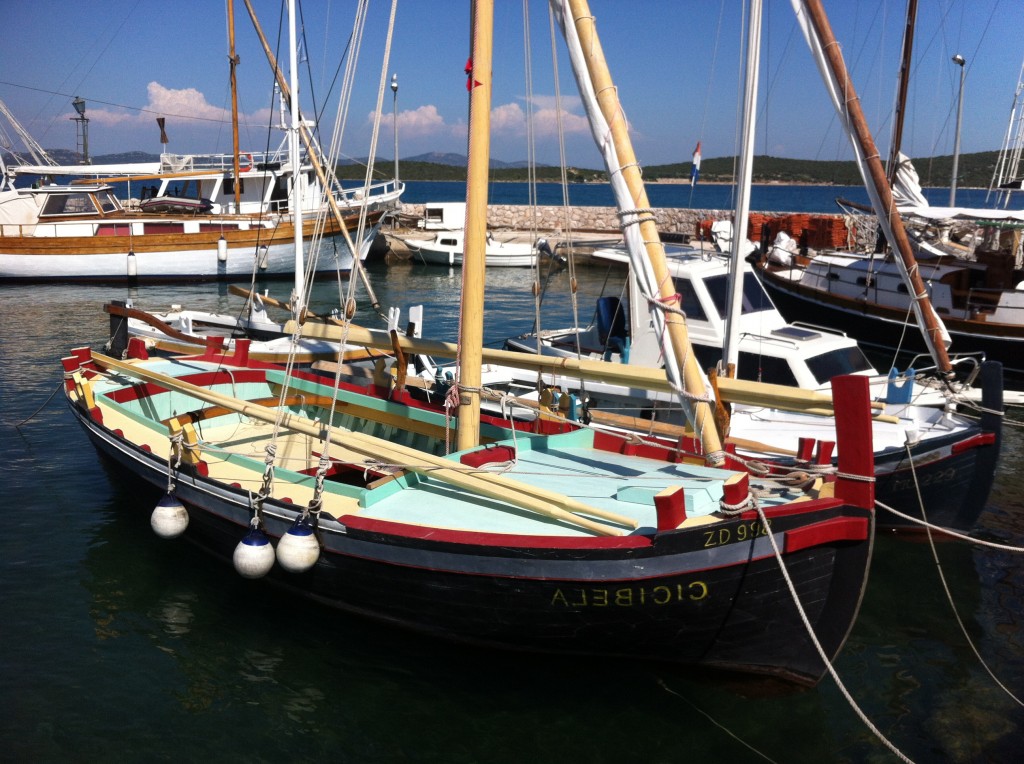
117, 646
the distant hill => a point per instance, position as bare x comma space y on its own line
974, 170
67, 156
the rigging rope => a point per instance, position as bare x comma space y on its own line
949, 594
821, 652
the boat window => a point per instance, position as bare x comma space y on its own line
689, 302
107, 202
755, 299
68, 204
448, 243
229, 187
835, 362
765, 368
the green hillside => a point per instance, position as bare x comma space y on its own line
974, 170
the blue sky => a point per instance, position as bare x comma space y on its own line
675, 62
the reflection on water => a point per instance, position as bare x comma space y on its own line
115, 640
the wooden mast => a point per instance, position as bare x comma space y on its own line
901, 97
629, 168
471, 314
886, 211
233, 58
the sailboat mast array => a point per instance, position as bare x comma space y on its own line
608, 124
818, 32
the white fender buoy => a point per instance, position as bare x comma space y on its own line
133, 267
254, 555
169, 518
298, 549
222, 250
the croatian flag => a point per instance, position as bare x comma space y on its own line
695, 172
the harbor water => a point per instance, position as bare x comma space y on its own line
119, 646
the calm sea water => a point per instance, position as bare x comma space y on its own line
763, 198
118, 646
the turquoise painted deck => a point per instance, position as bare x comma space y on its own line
566, 464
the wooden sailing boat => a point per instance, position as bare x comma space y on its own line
578, 543
930, 463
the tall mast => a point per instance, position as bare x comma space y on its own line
233, 58
314, 160
901, 96
298, 295
647, 254
471, 315
731, 345
833, 69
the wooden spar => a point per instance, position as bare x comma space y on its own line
887, 213
604, 87
471, 313
901, 98
251, 295
133, 178
638, 377
357, 446
233, 58
314, 159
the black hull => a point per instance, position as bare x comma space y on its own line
709, 599
954, 487
883, 338
953, 490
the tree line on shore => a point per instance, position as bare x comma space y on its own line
974, 170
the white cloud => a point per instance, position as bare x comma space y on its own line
176, 105
415, 123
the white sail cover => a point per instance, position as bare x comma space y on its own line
837, 92
910, 201
906, 186
641, 266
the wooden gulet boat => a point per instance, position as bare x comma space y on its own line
584, 544
42, 240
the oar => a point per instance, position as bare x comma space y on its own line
496, 487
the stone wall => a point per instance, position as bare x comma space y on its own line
518, 217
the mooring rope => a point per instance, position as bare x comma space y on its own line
949, 594
49, 398
711, 719
948, 531
821, 651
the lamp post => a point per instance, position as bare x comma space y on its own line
83, 127
959, 61
394, 90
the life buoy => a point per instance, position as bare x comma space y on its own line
247, 167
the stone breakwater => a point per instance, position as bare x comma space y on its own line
673, 220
